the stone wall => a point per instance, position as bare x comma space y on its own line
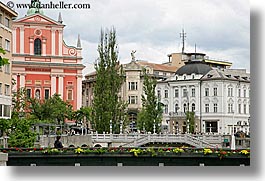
3, 159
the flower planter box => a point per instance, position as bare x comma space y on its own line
127, 159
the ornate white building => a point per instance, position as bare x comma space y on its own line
218, 97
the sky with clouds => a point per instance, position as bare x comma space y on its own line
219, 28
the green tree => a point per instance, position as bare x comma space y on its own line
106, 103
3, 61
82, 115
22, 134
5, 125
151, 112
53, 109
191, 117
20, 103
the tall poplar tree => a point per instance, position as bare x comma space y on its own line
106, 104
151, 113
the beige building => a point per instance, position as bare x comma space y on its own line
6, 16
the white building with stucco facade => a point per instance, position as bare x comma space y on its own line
219, 98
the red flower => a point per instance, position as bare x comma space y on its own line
34, 149
4, 151
168, 149
17, 149
41, 148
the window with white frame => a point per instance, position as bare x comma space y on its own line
1, 42
215, 91
166, 109
245, 92
7, 68
133, 86
185, 93
37, 94
70, 94
207, 108
7, 22
193, 92
245, 109
7, 90
185, 107
166, 93
239, 92
6, 110
7, 45
215, 107
1, 110
159, 94
239, 108
206, 92
192, 107
28, 92
0, 88
133, 99
176, 92
46, 93
230, 92
230, 108
176, 108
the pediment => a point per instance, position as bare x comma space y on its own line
38, 18
132, 65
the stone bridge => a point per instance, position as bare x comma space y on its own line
133, 140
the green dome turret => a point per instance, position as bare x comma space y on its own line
35, 8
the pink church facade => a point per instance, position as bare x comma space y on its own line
42, 63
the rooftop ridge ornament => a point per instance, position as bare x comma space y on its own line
133, 55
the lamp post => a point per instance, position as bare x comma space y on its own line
121, 122
177, 130
144, 127
110, 126
188, 126
233, 139
154, 126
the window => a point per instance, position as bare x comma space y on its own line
28, 93
7, 22
158, 94
6, 111
7, 90
1, 18
230, 108
7, 45
215, 91
176, 108
176, 93
239, 108
193, 92
37, 94
245, 93
239, 92
193, 107
185, 107
70, 94
1, 110
46, 93
0, 88
166, 109
230, 92
185, 93
184, 77
1, 42
166, 93
132, 85
206, 108
7, 68
211, 127
206, 92
164, 74
215, 108
37, 46
133, 99
245, 109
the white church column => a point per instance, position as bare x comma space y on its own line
61, 82
31, 46
60, 42
53, 84
22, 80
79, 92
53, 42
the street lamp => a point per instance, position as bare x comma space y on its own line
110, 126
177, 130
144, 127
121, 122
188, 126
154, 126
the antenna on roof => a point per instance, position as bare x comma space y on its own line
183, 36
195, 51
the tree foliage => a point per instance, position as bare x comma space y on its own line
106, 103
151, 112
191, 117
3, 61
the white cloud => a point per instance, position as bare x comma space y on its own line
221, 29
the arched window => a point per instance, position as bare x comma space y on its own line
37, 46
176, 108
185, 107
193, 107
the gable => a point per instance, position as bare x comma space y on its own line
38, 18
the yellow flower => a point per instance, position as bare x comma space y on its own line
79, 150
178, 150
207, 151
245, 152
